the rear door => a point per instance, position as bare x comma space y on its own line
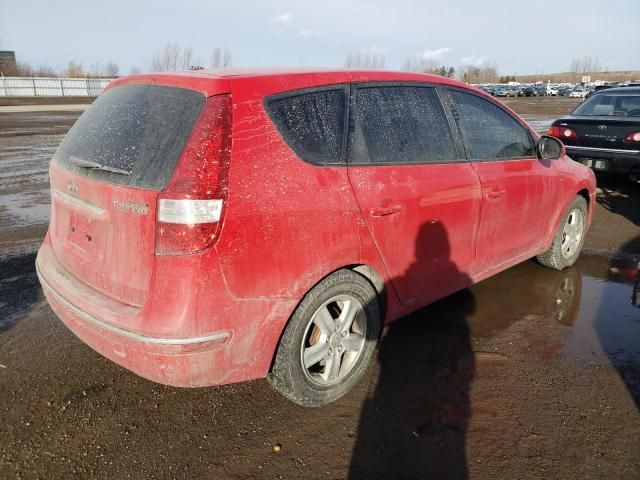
105, 178
518, 190
421, 203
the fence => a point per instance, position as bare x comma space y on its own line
51, 87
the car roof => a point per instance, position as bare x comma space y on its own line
318, 75
320, 72
212, 81
617, 90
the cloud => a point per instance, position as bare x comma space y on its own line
474, 60
285, 19
436, 54
306, 32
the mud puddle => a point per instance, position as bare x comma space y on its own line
540, 123
592, 305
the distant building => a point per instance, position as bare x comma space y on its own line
7, 60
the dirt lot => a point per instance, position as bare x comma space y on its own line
530, 374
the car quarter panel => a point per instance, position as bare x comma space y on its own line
288, 221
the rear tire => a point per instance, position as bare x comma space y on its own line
569, 238
329, 341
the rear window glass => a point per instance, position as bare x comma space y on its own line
312, 124
132, 135
617, 104
399, 124
488, 132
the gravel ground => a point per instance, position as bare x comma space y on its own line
530, 374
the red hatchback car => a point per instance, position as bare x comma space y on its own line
209, 228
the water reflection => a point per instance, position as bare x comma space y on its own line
414, 421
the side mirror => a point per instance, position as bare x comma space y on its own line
550, 148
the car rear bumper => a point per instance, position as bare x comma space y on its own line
617, 161
185, 362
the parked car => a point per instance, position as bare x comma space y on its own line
604, 131
209, 228
565, 91
526, 91
552, 91
578, 93
501, 91
511, 91
540, 90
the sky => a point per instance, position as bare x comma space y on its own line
520, 37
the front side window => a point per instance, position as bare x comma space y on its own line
312, 123
488, 132
400, 124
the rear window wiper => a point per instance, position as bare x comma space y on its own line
83, 163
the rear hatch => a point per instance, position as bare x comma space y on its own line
105, 180
602, 132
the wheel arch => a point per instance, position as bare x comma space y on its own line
584, 193
368, 272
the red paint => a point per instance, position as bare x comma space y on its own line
426, 230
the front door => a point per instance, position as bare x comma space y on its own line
518, 190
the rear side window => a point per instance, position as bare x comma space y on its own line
312, 124
136, 133
400, 124
488, 132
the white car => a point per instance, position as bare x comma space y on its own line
552, 91
579, 94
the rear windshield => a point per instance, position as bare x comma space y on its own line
618, 104
132, 135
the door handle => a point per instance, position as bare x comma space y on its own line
496, 194
384, 211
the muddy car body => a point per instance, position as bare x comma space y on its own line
210, 228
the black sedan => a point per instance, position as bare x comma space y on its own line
603, 132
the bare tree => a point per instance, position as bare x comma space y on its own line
134, 70
220, 58
111, 69
364, 60
421, 64
96, 70
24, 69
167, 60
585, 64
486, 73
186, 58
74, 69
172, 58
45, 71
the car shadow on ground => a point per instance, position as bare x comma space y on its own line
19, 288
414, 424
619, 195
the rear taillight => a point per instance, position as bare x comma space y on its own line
190, 208
563, 133
633, 138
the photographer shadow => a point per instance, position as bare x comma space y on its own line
414, 423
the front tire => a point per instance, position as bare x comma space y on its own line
569, 238
329, 341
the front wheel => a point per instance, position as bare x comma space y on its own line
329, 341
569, 238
